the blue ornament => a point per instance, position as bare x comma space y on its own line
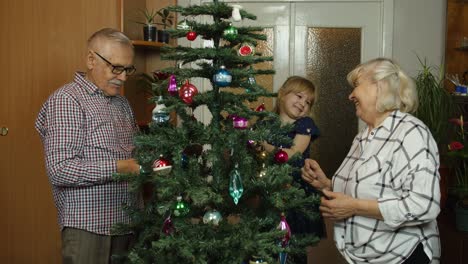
222, 77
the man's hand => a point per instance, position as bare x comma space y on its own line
128, 166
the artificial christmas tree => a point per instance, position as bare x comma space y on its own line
223, 199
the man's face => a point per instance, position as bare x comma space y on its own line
100, 71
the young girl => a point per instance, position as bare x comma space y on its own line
294, 104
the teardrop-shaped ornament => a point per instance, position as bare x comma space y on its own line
168, 226
235, 185
172, 87
284, 226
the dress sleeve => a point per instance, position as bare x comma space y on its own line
306, 126
416, 194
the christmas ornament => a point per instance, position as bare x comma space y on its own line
222, 77
159, 75
236, 16
284, 226
183, 25
191, 35
209, 178
263, 171
159, 114
246, 49
162, 166
187, 92
212, 217
235, 184
281, 156
251, 144
168, 226
257, 260
230, 33
180, 208
251, 80
172, 87
260, 108
184, 161
262, 155
240, 122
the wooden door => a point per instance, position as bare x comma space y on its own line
42, 44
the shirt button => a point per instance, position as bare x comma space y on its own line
372, 133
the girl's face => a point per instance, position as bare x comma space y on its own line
295, 105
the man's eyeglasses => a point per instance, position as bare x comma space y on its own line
118, 69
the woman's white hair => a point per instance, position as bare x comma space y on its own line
395, 89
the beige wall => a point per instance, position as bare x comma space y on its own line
419, 28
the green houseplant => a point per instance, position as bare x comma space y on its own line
166, 21
149, 28
435, 103
435, 109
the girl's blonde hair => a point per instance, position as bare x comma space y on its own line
295, 84
395, 89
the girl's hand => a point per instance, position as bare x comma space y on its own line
337, 206
314, 175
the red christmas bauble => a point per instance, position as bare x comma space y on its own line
281, 156
159, 75
246, 50
162, 166
187, 92
191, 35
260, 108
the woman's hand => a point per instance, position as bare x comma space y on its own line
314, 175
337, 206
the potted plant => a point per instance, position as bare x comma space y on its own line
149, 28
166, 21
435, 103
459, 155
435, 108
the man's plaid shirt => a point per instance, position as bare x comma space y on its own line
84, 133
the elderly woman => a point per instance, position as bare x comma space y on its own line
384, 198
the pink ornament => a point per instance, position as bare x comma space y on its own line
284, 226
187, 92
168, 226
281, 156
240, 122
172, 87
260, 108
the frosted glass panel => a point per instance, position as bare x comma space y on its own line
331, 54
266, 81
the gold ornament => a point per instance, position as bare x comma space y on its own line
262, 155
262, 173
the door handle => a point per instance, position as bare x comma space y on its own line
3, 131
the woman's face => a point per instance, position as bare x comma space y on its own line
364, 97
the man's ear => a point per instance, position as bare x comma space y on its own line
90, 60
